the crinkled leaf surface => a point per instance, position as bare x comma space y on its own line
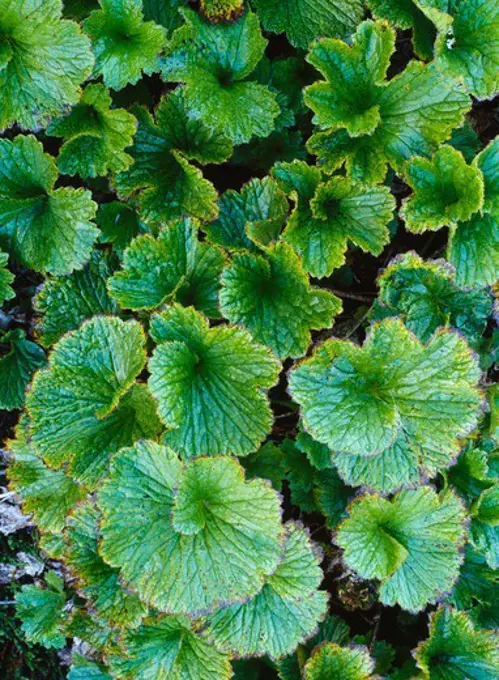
6, 278
214, 61
166, 184
271, 295
64, 302
329, 661
173, 265
425, 296
302, 21
210, 384
446, 190
189, 538
43, 60
456, 651
329, 215
46, 229
41, 613
284, 613
488, 163
95, 136
168, 648
16, 367
406, 14
410, 543
83, 669
358, 400
371, 122
124, 44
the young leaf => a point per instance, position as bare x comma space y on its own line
174, 265
6, 278
124, 44
167, 185
411, 544
254, 216
284, 613
46, 229
271, 296
426, 297
371, 122
454, 649
188, 538
42, 616
214, 61
329, 215
210, 384
16, 368
98, 582
477, 590
43, 60
266, 463
446, 191
63, 302
329, 661
406, 14
95, 136
168, 648
358, 400
303, 21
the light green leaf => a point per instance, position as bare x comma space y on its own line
488, 163
124, 44
174, 265
446, 191
254, 216
166, 184
98, 582
455, 650
16, 368
63, 302
357, 401
95, 136
371, 122
271, 296
210, 384
168, 648
329, 661
303, 21
189, 538
41, 611
46, 229
43, 60
426, 297
6, 278
411, 544
339, 212
214, 61
284, 613
406, 14
473, 250
487, 507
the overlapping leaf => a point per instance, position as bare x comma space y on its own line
407, 14
16, 367
332, 662
6, 278
41, 613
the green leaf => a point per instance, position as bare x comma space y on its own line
271, 296
318, 454
95, 136
124, 44
301, 476
426, 297
166, 184
174, 265
42, 614
16, 368
188, 538
406, 14
486, 508
119, 225
303, 21
214, 61
164, 12
357, 400
329, 661
487, 161
98, 582
266, 463
83, 669
6, 278
467, 44
371, 122
411, 544
46, 229
473, 250
284, 613
210, 384
254, 216
168, 648
455, 650
446, 190
477, 590
43, 60
466, 140
63, 302
329, 215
